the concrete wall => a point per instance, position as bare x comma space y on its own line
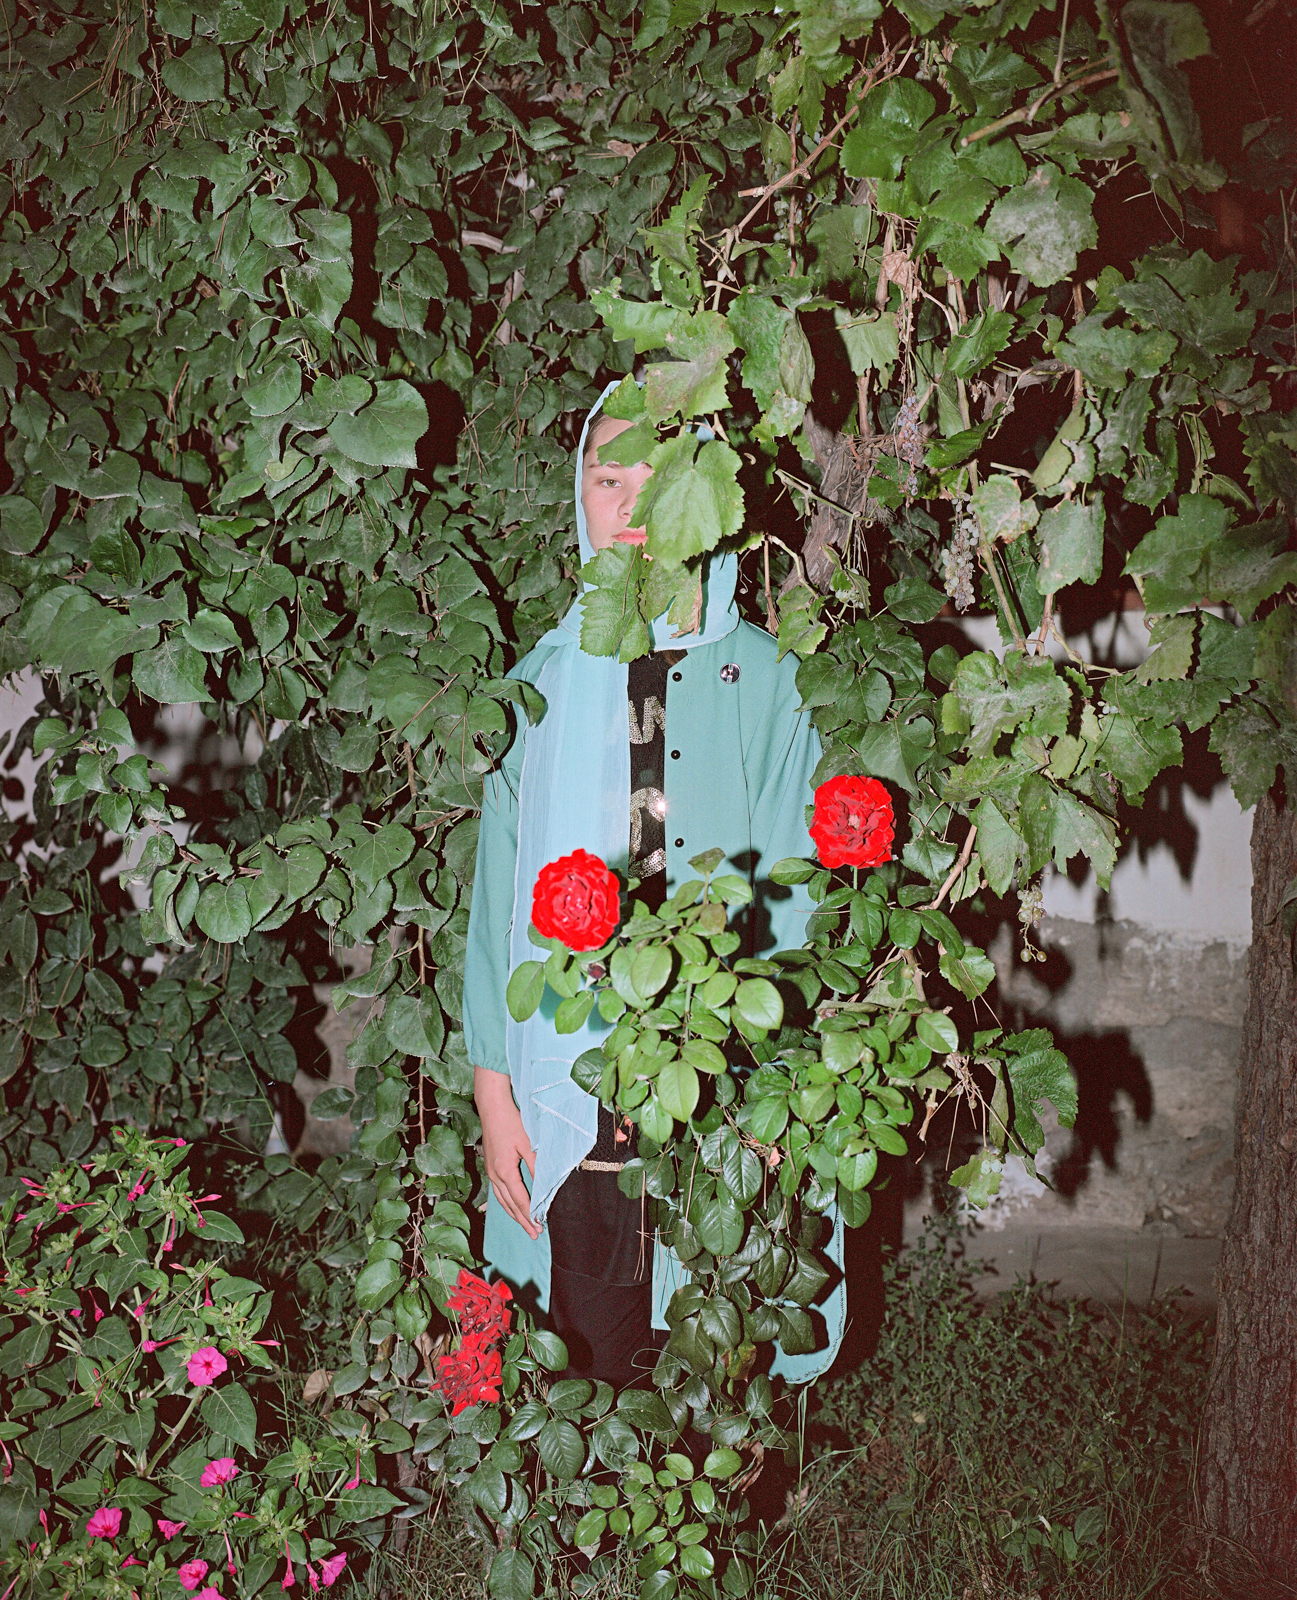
1144, 987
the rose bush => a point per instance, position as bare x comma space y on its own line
853, 824
577, 901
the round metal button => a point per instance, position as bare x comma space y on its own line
675, 755
676, 676
730, 673
679, 843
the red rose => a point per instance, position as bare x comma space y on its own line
481, 1306
576, 900
469, 1375
853, 825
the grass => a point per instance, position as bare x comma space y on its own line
1017, 1448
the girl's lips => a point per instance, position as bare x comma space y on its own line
632, 536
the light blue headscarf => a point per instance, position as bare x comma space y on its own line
574, 794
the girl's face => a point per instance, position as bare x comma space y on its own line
608, 494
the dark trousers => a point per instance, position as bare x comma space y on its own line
601, 1288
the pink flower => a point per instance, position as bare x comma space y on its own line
209, 1593
331, 1569
222, 1470
289, 1579
206, 1365
169, 1530
192, 1574
105, 1523
132, 1561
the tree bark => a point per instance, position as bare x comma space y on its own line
1247, 1474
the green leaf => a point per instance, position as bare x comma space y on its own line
995, 697
1002, 511
377, 1283
872, 341
197, 75
380, 853
1037, 1071
650, 969
526, 986
695, 382
229, 1412
979, 1177
938, 1032
171, 674
1044, 224
333, 1102
886, 131
1244, 739
720, 1226
1071, 545
792, 869
1170, 558
693, 499
386, 432
279, 387
971, 973
223, 912
979, 342
210, 631
572, 1012
722, 1464
413, 1023
561, 1448
759, 1003
677, 1089
21, 525
441, 1155
365, 1503
512, 1576
548, 1349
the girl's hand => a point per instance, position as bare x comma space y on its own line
504, 1145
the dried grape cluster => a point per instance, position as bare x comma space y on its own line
957, 561
1031, 910
909, 442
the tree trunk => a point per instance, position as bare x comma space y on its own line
1247, 1476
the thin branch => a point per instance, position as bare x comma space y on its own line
955, 871
874, 75
1028, 113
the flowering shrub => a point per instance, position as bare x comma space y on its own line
134, 1437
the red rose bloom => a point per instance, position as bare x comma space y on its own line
576, 900
853, 824
480, 1306
469, 1375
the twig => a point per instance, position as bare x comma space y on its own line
873, 74
1028, 113
955, 871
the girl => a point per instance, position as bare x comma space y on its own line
700, 743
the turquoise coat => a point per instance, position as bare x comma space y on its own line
740, 780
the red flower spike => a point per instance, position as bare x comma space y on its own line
470, 1375
480, 1306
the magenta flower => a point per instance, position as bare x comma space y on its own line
289, 1579
132, 1561
192, 1574
169, 1530
206, 1365
222, 1470
105, 1523
331, 1569
209, 1593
